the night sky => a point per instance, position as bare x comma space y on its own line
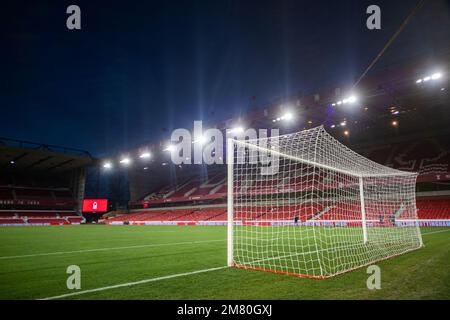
138, 69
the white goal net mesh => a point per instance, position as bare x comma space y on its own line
305, 204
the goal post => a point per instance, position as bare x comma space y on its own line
304, 204
363, 209
230, 184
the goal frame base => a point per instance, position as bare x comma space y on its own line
307, 276
300, 275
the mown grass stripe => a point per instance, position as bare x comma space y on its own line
108, 249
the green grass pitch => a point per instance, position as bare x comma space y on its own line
33, 263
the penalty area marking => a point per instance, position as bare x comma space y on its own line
108, 249
128, 284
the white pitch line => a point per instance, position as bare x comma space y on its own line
128, 284
435, 232
107, 249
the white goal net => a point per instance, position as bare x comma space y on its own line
304, 204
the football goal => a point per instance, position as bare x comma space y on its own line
304, 204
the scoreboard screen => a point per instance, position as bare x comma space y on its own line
95, 205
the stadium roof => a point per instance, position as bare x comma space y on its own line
25, 155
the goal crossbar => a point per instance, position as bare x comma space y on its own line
317, 164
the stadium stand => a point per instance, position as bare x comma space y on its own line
11, 221
41, 184
30, 217
407, 156
433, 209
428, 209
190, 189
203, 214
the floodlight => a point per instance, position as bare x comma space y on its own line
237, 130
436, 76
201, 140
288, 116
145, 155
125, 161
170, 148
107, 165
352, 99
